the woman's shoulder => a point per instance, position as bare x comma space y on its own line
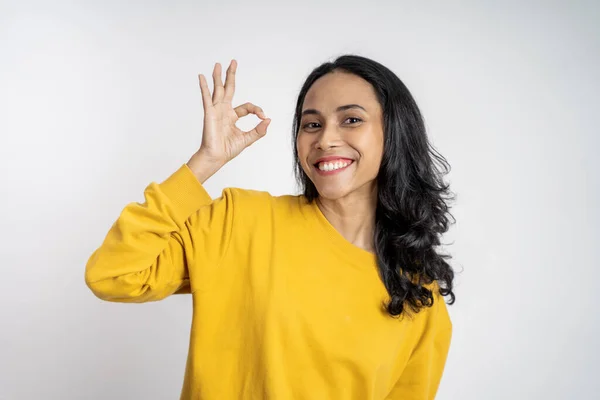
255, 208
440, 310
258, 201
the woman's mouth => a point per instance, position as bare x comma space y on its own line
332, 166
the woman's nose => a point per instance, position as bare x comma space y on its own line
328, 138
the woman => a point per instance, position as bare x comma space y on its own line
332, 294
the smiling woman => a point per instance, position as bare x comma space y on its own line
393, 170
336, 293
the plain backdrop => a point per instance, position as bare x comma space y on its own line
100, 98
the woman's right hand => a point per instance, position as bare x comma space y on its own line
222, 140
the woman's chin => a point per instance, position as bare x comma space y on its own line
338, 190
332, 193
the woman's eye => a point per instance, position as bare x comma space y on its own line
357, 119
307, 126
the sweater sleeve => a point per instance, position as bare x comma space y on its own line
160, 247
422, 375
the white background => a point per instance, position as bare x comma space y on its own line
98, 99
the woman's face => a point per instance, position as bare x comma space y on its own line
340, 148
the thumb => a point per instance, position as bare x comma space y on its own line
259, 131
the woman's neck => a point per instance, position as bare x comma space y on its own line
353, 216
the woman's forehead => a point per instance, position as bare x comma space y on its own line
338, 89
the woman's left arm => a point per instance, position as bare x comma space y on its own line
421, 377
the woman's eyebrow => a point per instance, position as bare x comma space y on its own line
340, 108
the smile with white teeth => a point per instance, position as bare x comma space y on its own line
332, 166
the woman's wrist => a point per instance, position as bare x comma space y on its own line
203, 166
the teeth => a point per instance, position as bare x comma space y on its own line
331, 166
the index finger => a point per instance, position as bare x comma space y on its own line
230, 81
249, 108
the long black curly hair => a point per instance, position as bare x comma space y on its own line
412, 211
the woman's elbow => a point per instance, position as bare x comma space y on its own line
123, 289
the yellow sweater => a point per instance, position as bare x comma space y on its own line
284, 306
